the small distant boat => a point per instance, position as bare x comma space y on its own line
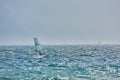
99, 43
38, 49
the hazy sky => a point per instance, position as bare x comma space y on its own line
59, 21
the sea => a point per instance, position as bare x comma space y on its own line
61, 62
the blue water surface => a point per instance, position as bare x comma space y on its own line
62, 62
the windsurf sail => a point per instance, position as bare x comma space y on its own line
38, 47
99, 43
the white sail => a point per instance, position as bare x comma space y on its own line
99, 43
38, 49
37, 44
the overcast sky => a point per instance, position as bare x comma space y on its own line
59, 21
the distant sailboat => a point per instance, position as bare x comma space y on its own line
99, 43
38, 47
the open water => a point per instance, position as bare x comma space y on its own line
71, 62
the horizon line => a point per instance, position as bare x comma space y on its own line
60, 44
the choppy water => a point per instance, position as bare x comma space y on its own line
85, 62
